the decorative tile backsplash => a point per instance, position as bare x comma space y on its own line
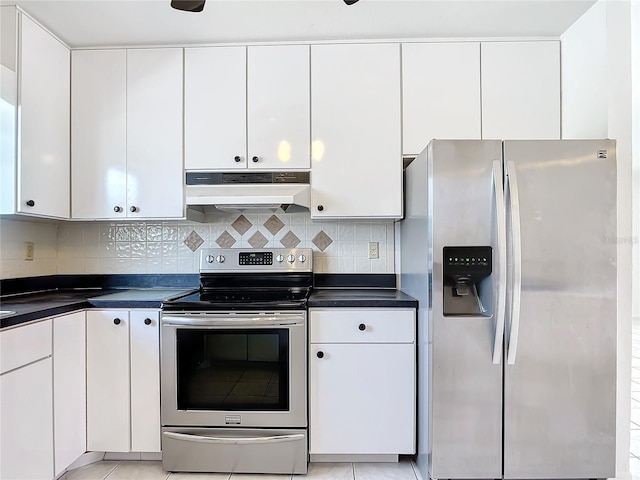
174, 246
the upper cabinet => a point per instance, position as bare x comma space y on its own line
521, 90
35, 119
126, 130
356, 131
247, 107
440, 93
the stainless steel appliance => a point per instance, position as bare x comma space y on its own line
234, 365
509, 248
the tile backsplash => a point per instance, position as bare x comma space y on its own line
174, 246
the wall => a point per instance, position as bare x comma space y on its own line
13, 234
159, 247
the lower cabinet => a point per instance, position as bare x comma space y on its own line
69, 389
123, 381
26, 399
362, 381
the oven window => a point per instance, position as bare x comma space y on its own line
233, 369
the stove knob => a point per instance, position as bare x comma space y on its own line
291, 258
210, 258
302, 258
279, 258
220, 258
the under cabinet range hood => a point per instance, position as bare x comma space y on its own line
218, 192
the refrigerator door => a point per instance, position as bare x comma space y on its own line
465, 388
559, 393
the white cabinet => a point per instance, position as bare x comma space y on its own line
35, 119
521, 90
362, 376
123, 386
26, 403
144, 341
278, 116
126, 130
247, 107
69, 389
440, 93
356, 131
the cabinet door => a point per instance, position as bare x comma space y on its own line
44, 131
355, 131
215, 108
440, 93
521, 90
108, 426
154, 133
278, 113
69, 389
145, 380
362, 399
26, 422
98, 133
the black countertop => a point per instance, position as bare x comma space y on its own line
354, 297
31, 299
34, 306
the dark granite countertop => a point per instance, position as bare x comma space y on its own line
354, 297
28, 307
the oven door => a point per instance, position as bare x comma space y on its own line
234, 369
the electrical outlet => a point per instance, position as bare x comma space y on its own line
28, 250
374, 250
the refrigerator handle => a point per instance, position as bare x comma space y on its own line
512, 183
498, 191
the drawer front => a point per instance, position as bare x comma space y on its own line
360, 325
22, 345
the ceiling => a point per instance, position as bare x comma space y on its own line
91, 23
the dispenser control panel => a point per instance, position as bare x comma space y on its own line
473, 261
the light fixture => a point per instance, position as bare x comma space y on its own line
189, 5
350, 2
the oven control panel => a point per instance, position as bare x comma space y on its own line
256, 260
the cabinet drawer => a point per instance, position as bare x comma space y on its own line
22, 345
359, 325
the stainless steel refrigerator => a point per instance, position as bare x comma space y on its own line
510, 249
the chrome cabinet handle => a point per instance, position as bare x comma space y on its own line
234, 440
116, 321
133, 209
117, 209
237, 158
147, 321
31, 203
255, 159
498, 191
512, 183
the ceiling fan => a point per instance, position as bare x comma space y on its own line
198, 5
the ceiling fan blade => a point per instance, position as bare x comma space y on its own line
188, 5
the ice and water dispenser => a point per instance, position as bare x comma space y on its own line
467, 281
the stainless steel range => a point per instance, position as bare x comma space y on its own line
234, 365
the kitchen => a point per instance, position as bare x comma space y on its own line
340, 246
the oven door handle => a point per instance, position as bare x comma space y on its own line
234, 440
232, 322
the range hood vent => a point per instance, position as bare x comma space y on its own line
219, 193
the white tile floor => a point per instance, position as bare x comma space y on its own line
152, 470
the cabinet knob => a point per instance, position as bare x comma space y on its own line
116, 321
320, 354
117, 209
238, 158
133, 209
31, 203
255, 159
362, 327
147, 321
320, 208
